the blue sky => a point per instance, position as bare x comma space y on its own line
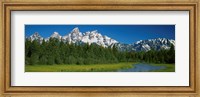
122, 33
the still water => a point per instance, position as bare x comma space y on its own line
142, 67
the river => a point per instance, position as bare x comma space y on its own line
142, 67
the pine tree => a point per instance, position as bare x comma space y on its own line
34, 59
59, 52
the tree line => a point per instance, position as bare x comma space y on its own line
59, 52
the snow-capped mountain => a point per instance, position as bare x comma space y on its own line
124, 47
36, 36
156, 44
56, 35
95, 37
88, 37
75, 36
146, 45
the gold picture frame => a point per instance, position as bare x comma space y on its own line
119, 5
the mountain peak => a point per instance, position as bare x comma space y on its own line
35, 36
55, 35
94, 31
75, 30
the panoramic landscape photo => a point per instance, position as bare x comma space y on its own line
99, 48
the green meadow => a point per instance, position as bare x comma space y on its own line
92, 67
79, 68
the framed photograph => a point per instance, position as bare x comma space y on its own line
100, 48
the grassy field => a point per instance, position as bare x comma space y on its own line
169, 68
78, 68
92, 68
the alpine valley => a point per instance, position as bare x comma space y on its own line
75, 36
92, 51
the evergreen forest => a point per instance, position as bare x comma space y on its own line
58, 52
